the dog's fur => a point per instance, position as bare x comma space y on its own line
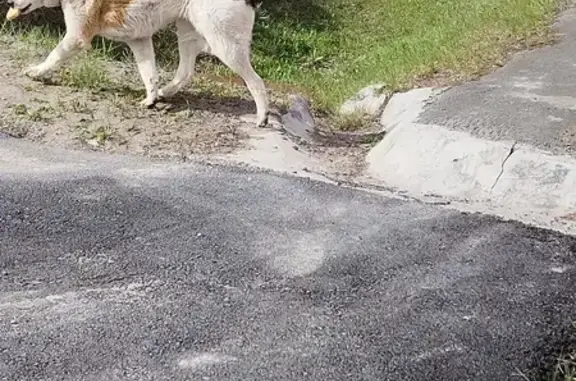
221, 27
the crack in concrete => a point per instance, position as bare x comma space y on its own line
512, 150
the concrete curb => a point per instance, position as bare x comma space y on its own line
425, 160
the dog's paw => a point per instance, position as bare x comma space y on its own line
261, 121
149, 102
167, 91
35, 71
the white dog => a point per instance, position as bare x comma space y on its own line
222, 27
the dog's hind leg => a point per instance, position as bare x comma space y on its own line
228, 32
143, 51
190, 44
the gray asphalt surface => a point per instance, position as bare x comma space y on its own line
122, 269
531, 99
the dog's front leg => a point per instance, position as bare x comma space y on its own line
66, 49
143, 51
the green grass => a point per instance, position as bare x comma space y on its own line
87, 71
329, 49
332, 48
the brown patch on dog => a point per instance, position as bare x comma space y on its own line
103, 14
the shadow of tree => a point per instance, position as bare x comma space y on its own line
288, 30
50, 18
300, 14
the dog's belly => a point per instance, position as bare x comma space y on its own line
143, 19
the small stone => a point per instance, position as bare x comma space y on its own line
369, 101
165, 107
93, 142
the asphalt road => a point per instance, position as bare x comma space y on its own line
123, 269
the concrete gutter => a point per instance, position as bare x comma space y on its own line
517, 180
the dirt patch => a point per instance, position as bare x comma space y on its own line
342, 164
107, 116
568, 138
94, 104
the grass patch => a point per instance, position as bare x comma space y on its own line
329, 49
44, 113
332, 48
565, 367
87, 71
351, 122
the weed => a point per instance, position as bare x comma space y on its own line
96, 137
565, 369
351, 122
41, 114
88, 72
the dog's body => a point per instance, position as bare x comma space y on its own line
222, 27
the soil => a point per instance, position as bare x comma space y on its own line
193, 122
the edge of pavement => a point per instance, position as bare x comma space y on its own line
422, 163
507, 178
434, 164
